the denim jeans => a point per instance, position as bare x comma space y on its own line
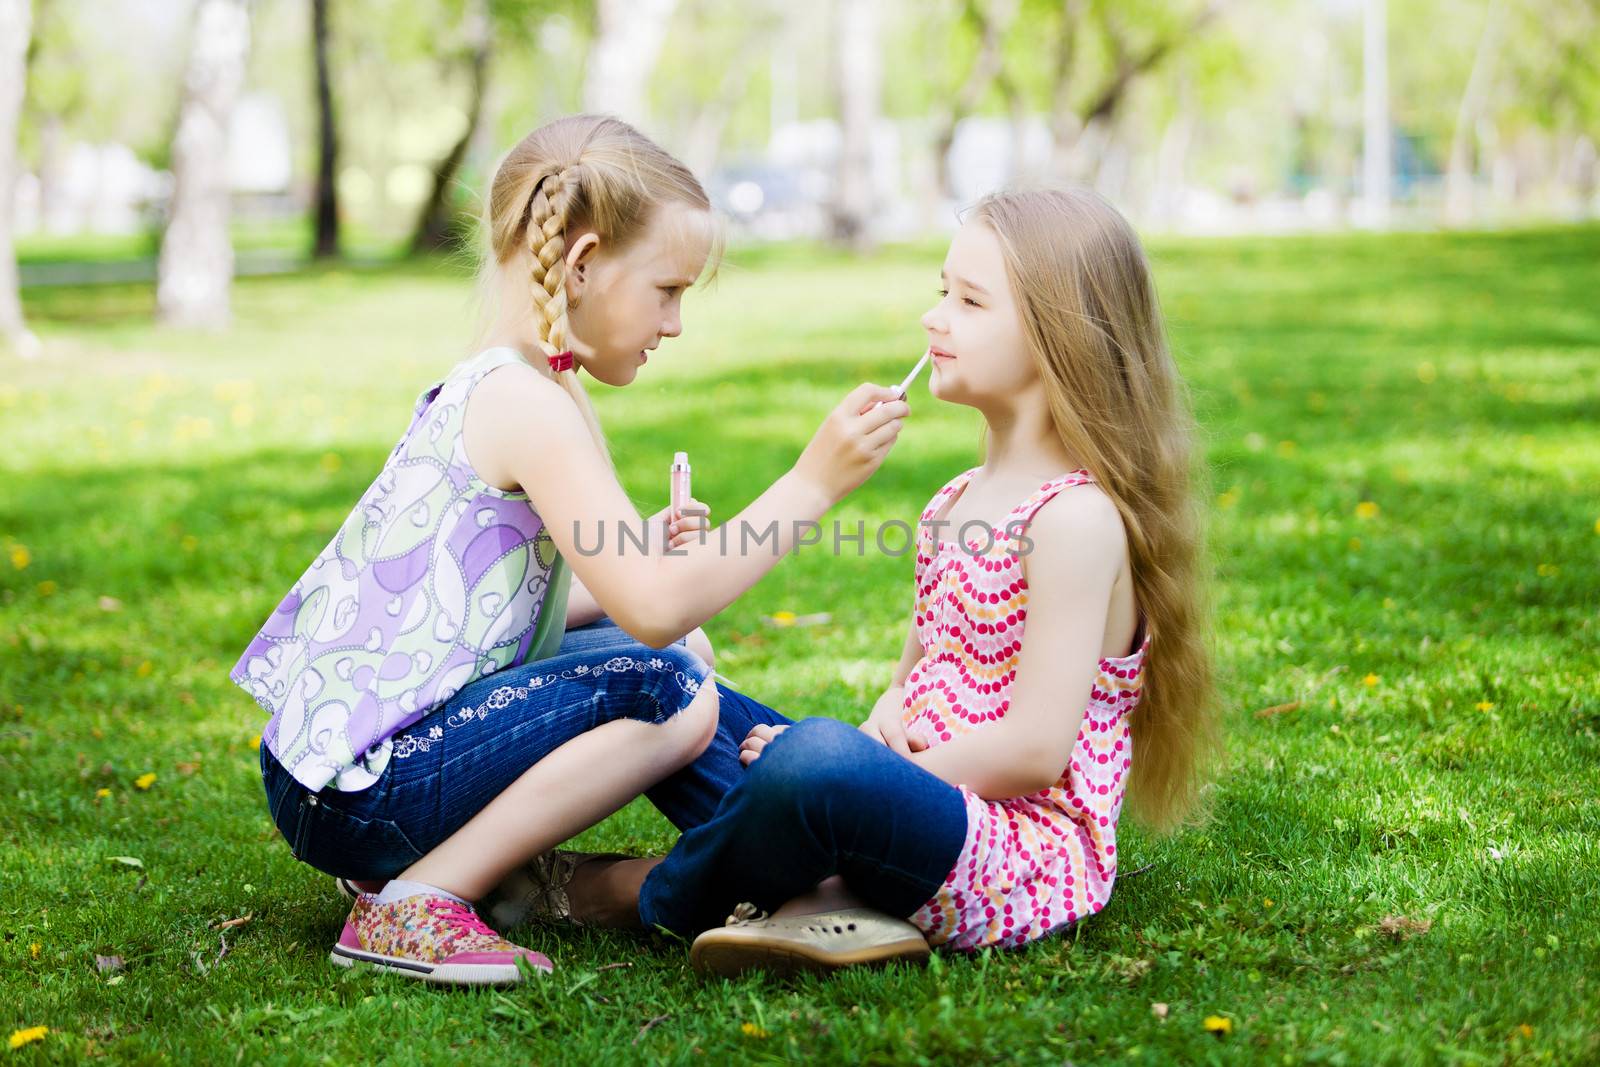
448, 766
822, 799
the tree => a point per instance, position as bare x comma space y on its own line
1098, 60
195, 270
859, 84
1375, 165
16, 20
435, 226
623, 54
990, 19
326, 219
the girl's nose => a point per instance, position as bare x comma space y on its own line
932, 321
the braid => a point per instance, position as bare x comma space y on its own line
548, 211
547, 241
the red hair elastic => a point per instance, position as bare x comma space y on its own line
561, 362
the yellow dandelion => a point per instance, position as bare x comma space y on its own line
784, 618
752, 1030
1220, 1025
101, 793
1548, 570
1370, 680
1366, 510
145, 780
1597, 526
47, 588
1266, 902
255, 743
28, 1036
144, 669
34, 949
1525, 1030
1485, 705
20, 556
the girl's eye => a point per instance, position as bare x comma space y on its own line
967, 300
944, 292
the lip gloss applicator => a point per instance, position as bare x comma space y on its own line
906, 382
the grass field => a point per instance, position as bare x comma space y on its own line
1401, 865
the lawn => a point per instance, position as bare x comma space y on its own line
1401, 862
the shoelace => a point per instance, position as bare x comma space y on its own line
460, 915
745, 913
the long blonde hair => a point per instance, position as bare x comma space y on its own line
589, 172
1094, 329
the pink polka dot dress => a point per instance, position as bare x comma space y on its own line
1030, 864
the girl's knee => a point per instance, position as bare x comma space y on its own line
699, 720
700, 645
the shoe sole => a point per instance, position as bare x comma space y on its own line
437, 973
730, 958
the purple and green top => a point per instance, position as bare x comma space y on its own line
435, 580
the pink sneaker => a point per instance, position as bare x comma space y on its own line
432, 938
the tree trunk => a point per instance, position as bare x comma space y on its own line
16, 20
1070, 126
989, 66
435, 227
1375, 167
858, 79
627, 42
326, 242
1460, 171
195, 270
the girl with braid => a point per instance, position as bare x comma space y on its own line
456, 686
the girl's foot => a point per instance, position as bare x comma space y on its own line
433, 938
585, 888
349, 888
820, 943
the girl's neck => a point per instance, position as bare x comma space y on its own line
1022, 443
513, 326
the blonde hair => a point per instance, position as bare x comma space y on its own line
1093, 326
582, 172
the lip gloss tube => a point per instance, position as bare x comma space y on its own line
680, 482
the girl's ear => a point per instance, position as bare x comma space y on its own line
580, 258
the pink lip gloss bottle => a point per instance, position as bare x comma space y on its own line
680, 483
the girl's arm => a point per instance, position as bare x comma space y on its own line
1079, 548
885, 723
526, 429
582, 608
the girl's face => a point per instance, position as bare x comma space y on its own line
627, 301
980, 357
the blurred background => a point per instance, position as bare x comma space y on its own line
368, 128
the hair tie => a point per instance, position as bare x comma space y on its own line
561, 361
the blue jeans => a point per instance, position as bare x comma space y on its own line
448, 766
822, 799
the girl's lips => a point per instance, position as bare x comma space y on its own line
938, 355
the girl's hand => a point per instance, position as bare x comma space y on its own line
676, 531
853, 440
756, 740
885, 723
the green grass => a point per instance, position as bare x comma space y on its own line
1439, 762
